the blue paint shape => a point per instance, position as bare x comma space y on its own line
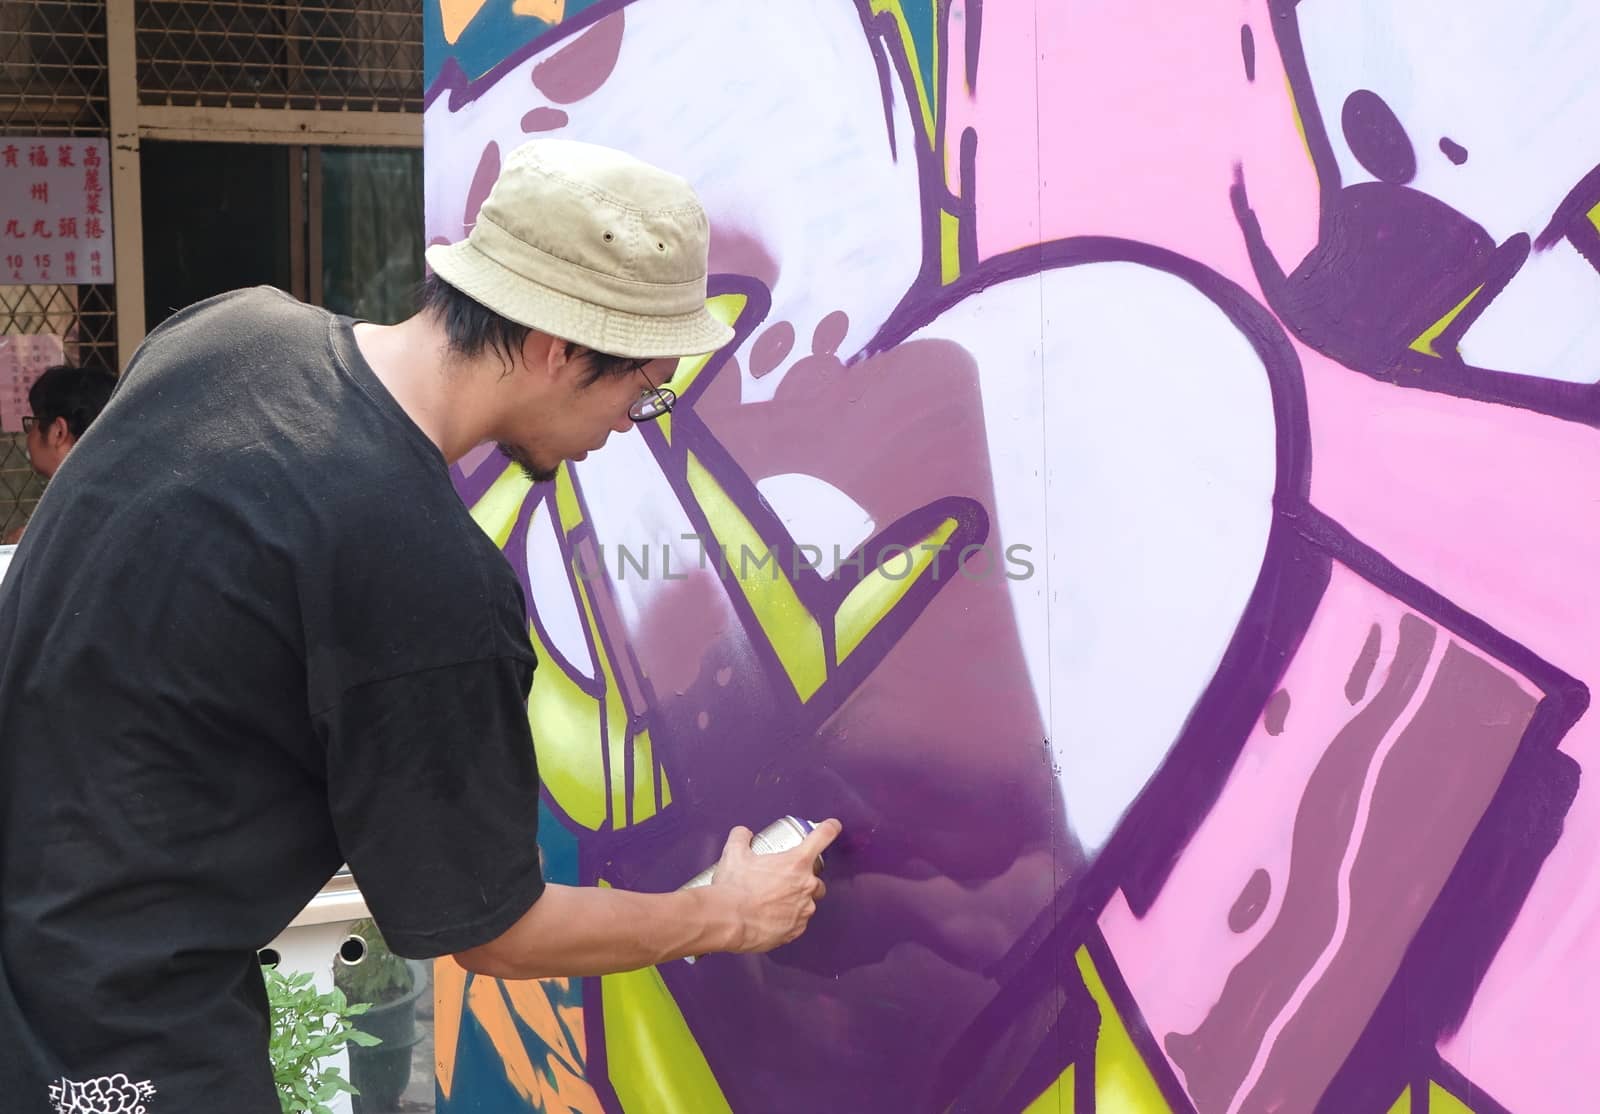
560, 848
480, 1085
921, 21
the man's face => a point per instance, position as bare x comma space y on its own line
48, 440
580, 417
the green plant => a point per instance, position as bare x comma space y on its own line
381, 976
309, 1026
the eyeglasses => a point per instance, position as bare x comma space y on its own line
28, 422
653, 402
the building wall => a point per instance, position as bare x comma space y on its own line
1171, 428
53, 82
304, 76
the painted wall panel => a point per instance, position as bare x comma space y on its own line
1149, 499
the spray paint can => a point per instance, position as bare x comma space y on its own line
783, 834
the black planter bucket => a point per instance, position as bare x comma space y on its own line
380, 1074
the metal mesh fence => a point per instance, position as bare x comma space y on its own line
19, 486
362, 55
353, 55
52, 83
83, 317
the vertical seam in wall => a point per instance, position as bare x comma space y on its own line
1059, 818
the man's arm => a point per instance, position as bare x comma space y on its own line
755, 903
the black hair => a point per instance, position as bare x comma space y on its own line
77, 394
471, 327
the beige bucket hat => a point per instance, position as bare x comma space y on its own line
593, 246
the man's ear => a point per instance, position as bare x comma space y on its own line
59, 433
545, 356
569, 363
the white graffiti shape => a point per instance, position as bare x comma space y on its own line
109, 1094
747, 72
1147, 438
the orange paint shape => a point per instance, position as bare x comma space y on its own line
455, 15
532, 1002
573, 1016
533, 1006
449, 996
572, 1093
488, 1005
550, 11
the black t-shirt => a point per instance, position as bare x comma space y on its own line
251, 633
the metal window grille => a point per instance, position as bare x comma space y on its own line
52, 82
359, 55
350, 55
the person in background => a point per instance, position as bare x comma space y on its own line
63, 401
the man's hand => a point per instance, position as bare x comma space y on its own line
755, 903
772, 896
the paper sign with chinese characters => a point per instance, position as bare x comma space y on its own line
55, 211
22, 358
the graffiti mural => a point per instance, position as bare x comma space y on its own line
1149, 499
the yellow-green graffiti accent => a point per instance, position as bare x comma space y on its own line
1424, 343
644, 782
1122, 1082
565, 722
1402, 1105
877, 593
949, 247
589, 785
790, 627
496, 512
568, 508
652, 1059
1059, 1098
1441, 1101
616, 717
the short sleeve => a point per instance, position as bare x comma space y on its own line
434, 791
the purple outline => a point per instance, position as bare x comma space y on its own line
929, 171
880, 63
938, 109
974, 30
963, 1075
1286, 30
1155, 1060
966, 208
1475, 909
1462, 1088
1574, 207
1572, 401
1497, 273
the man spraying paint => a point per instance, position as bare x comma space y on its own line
293, 648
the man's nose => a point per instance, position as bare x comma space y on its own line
622, 424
